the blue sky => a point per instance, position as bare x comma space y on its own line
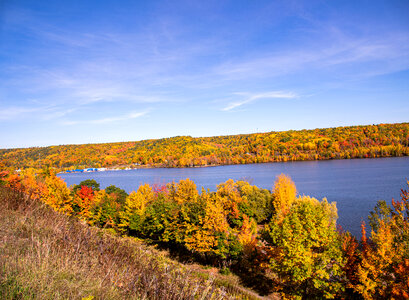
104, 71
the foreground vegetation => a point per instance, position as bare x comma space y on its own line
48, 255
274, 240
184, 151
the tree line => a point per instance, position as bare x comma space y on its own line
184, 151
277, 240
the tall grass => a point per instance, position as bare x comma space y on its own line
46, 255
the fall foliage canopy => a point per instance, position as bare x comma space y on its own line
290, 239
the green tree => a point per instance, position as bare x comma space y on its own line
117, 193
91, 183
105, 210
134, 208
257, 204
158, 217
306, 246
382, 211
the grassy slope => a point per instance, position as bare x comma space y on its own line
45, 255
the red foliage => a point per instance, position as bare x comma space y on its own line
14, 182
351, 252
84, 199
400, 288
159, 188
364, 239
86, 192
3, 175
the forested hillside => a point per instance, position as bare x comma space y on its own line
185, 151
273, 241
48, 255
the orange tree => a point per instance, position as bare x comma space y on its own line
383, 270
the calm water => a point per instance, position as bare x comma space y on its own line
356, 185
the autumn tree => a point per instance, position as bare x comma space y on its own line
229, 197
190, 209
158, 217
381, 270
209, 237
135, 206
184, 191
91, 183
83, 200
104, 210
352, 257
34, 187
284, 193
306, 246
57, 195
117, 193
247, 236
257, 203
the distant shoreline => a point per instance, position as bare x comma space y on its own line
121, 168
369, 141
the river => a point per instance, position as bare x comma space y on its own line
355, 184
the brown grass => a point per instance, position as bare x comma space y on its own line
46, 255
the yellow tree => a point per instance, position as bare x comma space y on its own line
184, 191
189, 207
207, 236
373, 273
229, 197
135, 206
57, 195
284, 192
248, 235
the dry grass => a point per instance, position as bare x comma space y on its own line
46, 255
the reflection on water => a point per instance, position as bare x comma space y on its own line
356, 185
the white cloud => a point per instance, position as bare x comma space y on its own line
39, 111
248, 98
129, 116
347, 55
105, 66
10, 113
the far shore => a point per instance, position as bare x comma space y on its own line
157, 166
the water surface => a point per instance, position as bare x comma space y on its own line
355, 184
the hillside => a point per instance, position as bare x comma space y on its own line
274, 242
184, 151
47, 255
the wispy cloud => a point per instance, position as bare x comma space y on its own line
56, 112
126, 117
147, 66
106, 65
248, 98
34, 111
344, 54
11, 113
